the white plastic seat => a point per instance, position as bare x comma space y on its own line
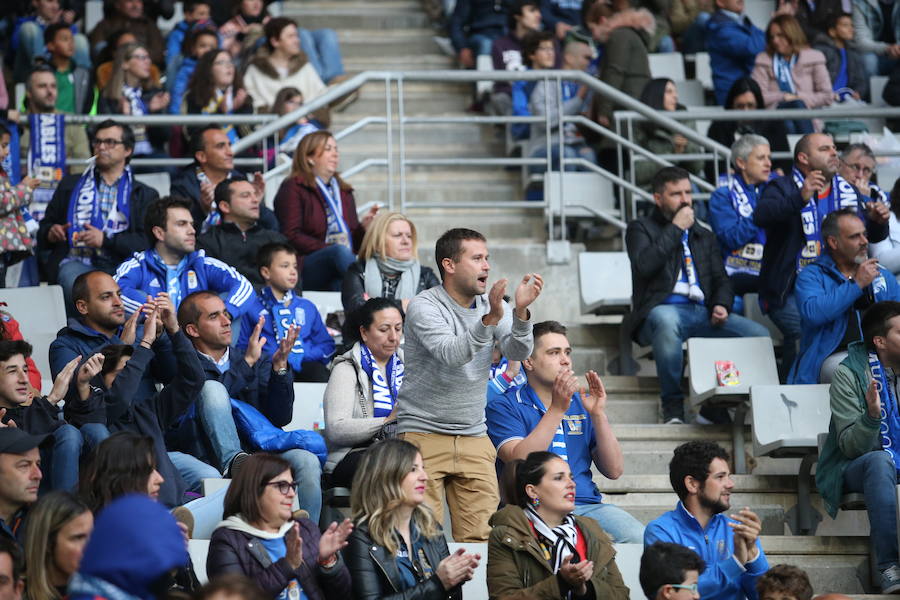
308, 408
667, 64
585, 194
326, 302
605, 282
41, 313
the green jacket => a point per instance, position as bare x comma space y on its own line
852, 431
517, 569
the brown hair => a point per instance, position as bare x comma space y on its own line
597, 11
249, 483
312, 145
113, 89
787, 579
791, 29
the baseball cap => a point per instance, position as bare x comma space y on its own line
16, 441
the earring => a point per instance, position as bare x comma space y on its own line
535, 502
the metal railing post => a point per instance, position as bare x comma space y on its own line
390, 139
401, 116
562, 158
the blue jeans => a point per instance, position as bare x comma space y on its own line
307, 471
480, 44
875, 476
68, 444
667, 327
322, 50
623, 528
324, 269
569, 151
803, 126
193, 470
787, 319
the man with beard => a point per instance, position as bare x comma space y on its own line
681, 289
832, 294
729, 545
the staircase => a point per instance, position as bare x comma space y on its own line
394, 34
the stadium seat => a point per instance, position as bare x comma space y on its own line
604, 279
161, 182
41, 313
667, 64
703, 70
198, 549
308, 410
691, 93
759, 11
326, 302
876, 89
586, 195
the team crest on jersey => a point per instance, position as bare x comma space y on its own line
192, 279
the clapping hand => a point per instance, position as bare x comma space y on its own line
279, 359
61, 384
528, 291
594, 400
86, 372
255, 343
577, 574
333, 540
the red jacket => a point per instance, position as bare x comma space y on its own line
13, 333
300, 209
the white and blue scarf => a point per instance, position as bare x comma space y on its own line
214, 217
748, 258
687, 284
282, 317
46, 158
134, 95
841, 195
889, 431
782, 68
84, 209
385, 386
337, 231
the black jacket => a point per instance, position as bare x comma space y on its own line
37, 418
353, 288
186, 185
778, 212
376, 575
856, 67
238, 248
120, 246
654, 248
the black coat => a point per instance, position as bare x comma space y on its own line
654, 248
239, 248
376, 575
120, 246
353, 288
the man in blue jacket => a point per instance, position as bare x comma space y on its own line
733, 43
833, 292
729, 545
173, 265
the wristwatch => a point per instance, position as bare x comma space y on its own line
282, 372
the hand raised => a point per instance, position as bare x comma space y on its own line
577, 574
684, 218
89, 369
495, 299
293, 544
564, 387
873, 401
63, 379
255, 343
528, 290
279, 359
334, 539
594, 400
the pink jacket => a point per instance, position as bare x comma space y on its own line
810, 74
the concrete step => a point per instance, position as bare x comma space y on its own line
743, 484
375, 62
372, 103
490, 195
393, 42
432, 135
386, 15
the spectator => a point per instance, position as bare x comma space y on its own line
397, 549
281, 308
858, 166
661, 94
28, 37
214, 163
261, 539
785, 208
790, 73
625, 37
280, 63
877, 33
863, 426
449, 338
786, 582
576, 550
105, 58
59, 526
287, 101
74, 82
196, 17
135, 546
20, 477
812, 16
388, 264
55, 143
549, 413
172, 264
216, 89
733, 42
9, 330
236, 241
561, 16
689, 19
40, 414
666, 569
731, 213
231, 587
245, 26
253, 377
832, 294
746, 95
130, 15
15, 238
124, 464
846, 67
474, 26
131, 91
729, 545
888, 255
361, 398
317, 213
12, 566
524, 16
681, 289
198, 42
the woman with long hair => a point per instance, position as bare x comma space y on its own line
317, 213
59, 526
261, 539
124, 463
539, 549
216, 88
398, 550
287, 101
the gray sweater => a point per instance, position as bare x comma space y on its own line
448, 361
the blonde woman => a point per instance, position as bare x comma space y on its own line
59, 526
387, 264
397, 550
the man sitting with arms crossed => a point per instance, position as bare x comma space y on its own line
549, 413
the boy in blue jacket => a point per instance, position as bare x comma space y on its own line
282, 307
196, 14
172, 265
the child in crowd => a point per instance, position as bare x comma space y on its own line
196, 15
74, 85
16, 224
281, 307
198, 42
670, 571
288, 100
784, 582
28, 36
845, 65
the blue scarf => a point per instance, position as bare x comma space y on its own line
84, 209
173, 275
46, 158
384, 389
841, 195
527, 395
747, 259
782, 68
282, 317
214, 217
11, 165
889, 431
294, 134
687, 287
336, 231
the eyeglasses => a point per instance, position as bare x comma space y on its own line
692, 588
221, 62
140, 56
107, 142
284, 486
861, 168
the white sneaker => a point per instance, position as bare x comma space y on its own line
890, 580
674, 421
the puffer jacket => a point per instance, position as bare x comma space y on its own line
517, 569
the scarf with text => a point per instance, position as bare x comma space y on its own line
84, 209
337, 231
385, 386
46, 158
282, 317
134, 95
840, 195
889, 430
748, 258
222, 103
687, 284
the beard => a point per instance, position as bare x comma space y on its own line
715, 505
